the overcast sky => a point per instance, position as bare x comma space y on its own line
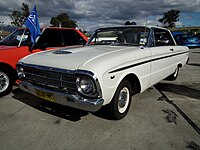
91, 14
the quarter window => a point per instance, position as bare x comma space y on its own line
162, 38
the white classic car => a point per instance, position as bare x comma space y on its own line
116, 63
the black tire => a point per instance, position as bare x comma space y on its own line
174, 75
121, 101
6, 82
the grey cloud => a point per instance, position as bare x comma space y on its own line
94, 13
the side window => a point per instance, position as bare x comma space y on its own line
71, 37
50, 38
162, 38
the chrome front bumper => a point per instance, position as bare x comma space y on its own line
75, 101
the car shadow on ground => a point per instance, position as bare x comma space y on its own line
61, 111
194, 64
55, 109
196, 52
179, 89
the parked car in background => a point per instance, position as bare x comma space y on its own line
197, 35
174, 33
116, 63
189, 40
11, 50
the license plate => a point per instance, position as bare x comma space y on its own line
45, 95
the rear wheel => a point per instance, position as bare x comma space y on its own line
6, 82
119, 106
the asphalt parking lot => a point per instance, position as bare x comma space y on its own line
164, 117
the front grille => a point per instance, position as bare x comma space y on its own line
52, 79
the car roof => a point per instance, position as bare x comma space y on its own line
133, 26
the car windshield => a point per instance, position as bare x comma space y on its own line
121, 36
14, 38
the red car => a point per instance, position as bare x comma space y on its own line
11, 49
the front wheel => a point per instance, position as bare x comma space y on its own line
6, 83
119, 106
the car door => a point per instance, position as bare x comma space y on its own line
161, 51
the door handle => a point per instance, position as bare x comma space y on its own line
171, 49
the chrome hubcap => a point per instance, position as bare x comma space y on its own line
123, 99
4, 81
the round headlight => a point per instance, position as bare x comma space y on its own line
85, 86
20, 72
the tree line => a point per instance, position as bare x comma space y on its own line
63, 20
168, 20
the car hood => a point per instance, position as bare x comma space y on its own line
76, 58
